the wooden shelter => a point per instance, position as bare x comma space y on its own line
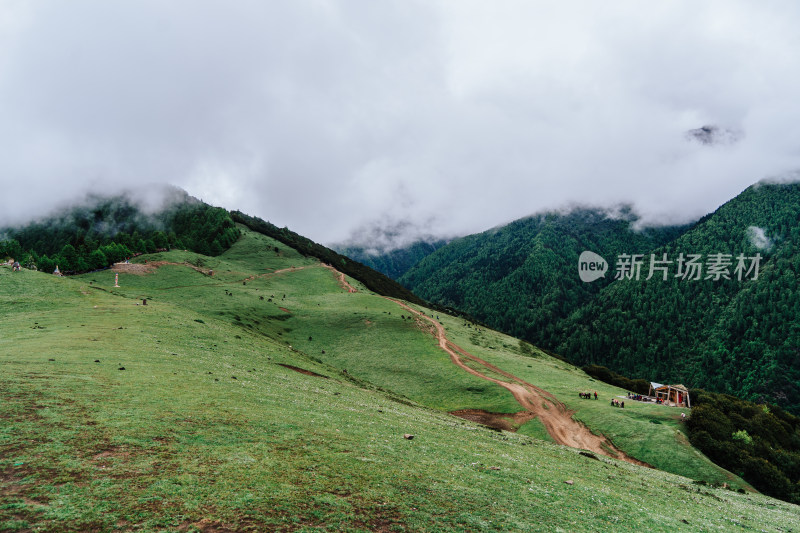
675, 395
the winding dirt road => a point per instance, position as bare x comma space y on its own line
553, 414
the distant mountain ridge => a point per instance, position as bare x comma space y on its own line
393, 263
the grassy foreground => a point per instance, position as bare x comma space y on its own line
204, 430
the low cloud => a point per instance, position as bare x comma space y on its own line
387, 235
711, 135
758, 238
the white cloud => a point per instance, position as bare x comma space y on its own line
440, 117
758, 238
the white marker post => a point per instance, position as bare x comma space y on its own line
116, 280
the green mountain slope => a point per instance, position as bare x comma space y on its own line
191, 413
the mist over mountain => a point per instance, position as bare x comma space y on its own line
394, 263
96, 231
141, 207
711, 135
336, 376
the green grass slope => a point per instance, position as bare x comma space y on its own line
374, 280
206, 430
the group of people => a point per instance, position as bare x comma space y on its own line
587, 395
617, 403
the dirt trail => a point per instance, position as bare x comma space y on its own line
342, 281
274, 272
554, 415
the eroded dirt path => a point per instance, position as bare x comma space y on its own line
342, 280
553, 414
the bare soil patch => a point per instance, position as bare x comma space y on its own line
207, 526
10, 484
140, 269
504, 421
302, 371
137, 269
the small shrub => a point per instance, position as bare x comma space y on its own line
742, 436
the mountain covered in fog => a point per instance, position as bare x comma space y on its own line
101, 230
394, 263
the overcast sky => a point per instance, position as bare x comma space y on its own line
442, 117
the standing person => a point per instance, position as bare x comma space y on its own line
595, 395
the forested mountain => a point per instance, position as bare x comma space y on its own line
522, 278
737, 336
104, 230
734, 336
393, 263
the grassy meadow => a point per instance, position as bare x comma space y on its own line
179, 415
